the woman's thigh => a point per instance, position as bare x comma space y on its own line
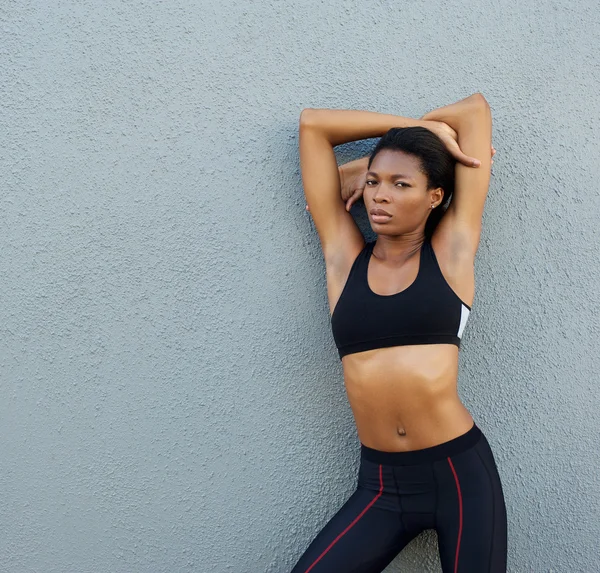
471, 515
364, 536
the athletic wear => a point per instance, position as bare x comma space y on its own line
453, 487
427, 312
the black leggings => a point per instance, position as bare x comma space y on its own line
453, 487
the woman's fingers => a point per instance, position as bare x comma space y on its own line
355, 197
470, 161
349, 202
454, 149
460, 156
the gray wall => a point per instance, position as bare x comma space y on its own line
170, 396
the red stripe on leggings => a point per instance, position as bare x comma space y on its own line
355, 520
460, 514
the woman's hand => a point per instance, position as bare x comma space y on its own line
353, 179
450, 139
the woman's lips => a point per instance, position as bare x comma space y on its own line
381, 218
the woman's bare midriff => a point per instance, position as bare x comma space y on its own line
406, 397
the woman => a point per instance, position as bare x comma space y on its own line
399, 306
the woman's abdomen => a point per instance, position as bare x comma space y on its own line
406, 398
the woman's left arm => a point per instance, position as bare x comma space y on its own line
471, 118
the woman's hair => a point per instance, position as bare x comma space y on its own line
437, 163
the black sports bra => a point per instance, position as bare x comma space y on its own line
426, 312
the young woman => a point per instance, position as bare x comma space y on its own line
399, 306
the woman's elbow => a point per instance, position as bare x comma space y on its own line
480, 101
307, 115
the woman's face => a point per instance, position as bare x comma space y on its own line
395, 184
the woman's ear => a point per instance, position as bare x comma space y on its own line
437, 196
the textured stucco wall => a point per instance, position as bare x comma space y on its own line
170, 395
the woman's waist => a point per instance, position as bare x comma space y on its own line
398, 415
407, 429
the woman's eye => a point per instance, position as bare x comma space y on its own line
372, 181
